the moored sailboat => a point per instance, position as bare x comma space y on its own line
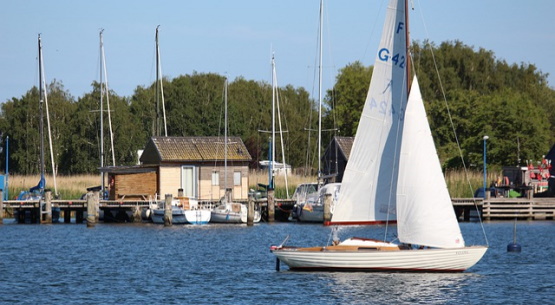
310, 208
37, 192
392, 169
228, 211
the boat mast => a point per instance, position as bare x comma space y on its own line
273, 153
275, 102
320, 92
41, 120
107, 92
409, 79
101, 113
159, 92
225, 135
104, 90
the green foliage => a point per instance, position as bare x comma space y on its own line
508, 102
347, 99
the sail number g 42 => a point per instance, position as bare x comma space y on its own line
397, 59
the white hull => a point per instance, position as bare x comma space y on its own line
410, 260
198, 217
180, 216
227, 214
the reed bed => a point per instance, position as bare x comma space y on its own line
68, 187
280, 191
463, 184
72, 187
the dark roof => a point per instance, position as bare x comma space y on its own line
132, 169
345, 144
186, 149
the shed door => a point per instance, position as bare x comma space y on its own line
189, 181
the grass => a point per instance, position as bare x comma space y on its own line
72, 187
69, 187
280, 191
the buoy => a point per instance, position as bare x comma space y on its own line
514, 247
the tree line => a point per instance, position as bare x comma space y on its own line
511, 103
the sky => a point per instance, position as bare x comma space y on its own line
237, 38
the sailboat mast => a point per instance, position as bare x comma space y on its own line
101, 111
107, 92
158, 128
159, 93
409, 79
273, 154
225, 134
41, 120
320, 91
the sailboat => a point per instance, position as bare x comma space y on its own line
392, 169
310, 207
184, 210
37, 192
228, 211
282, 213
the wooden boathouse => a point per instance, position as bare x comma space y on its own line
196, 165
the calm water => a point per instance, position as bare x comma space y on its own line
223, 264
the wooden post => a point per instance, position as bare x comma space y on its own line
91, 210
250, 211
486, 210
1, 206
271, 205
137, 214
67, 216
168, 210
530, 193
48, 207
96, 205
180, 193
327, 206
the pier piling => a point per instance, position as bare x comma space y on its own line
91, 210
46, 216
327, 210
271, 205
1, 206
96, 205
168, 210
250, 211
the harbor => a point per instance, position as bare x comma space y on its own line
40, 211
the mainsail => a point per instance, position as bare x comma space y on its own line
368, 191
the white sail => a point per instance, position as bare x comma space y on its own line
425, 214
369, 183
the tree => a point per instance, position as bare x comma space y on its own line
346, 100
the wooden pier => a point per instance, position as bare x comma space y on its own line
505, 208
41, 211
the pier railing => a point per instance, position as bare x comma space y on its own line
506, 208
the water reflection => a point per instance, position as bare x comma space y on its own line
362, 288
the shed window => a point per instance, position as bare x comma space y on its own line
215, 178
237, 178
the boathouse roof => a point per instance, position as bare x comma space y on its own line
344, 144
193, 149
